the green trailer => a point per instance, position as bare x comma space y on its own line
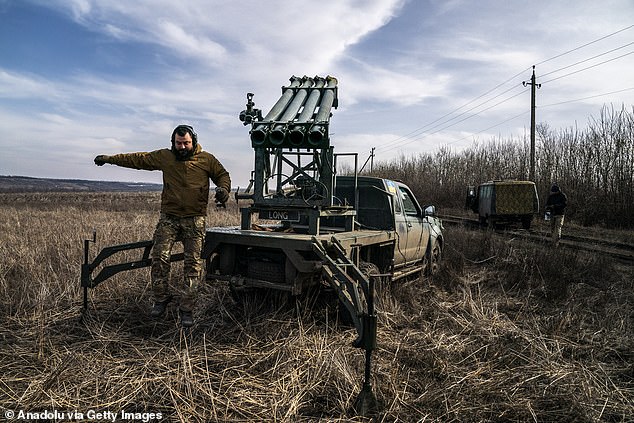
504, 202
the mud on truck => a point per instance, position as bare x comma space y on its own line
339, 232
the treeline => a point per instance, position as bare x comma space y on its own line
593, 166
22, 184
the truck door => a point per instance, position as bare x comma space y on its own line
400, 222
417, 233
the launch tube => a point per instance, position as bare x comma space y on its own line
258, 134
318, 131
279, 131
296, 135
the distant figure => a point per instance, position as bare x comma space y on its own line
186, 172
556, 208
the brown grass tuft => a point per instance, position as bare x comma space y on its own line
507, 331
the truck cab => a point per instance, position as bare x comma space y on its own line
390, 205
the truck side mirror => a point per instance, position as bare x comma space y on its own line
430, 211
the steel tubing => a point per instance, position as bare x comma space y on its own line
296, 135
278, 132
258, 134
318, 131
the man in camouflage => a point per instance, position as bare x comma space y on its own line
556, 206
186, 172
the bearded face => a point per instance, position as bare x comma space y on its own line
183, 146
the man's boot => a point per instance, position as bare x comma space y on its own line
159, 308
187, 320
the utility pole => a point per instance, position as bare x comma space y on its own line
533, 86
369, 159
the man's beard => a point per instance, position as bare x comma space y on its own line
183, 154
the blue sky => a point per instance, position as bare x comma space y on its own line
85, 77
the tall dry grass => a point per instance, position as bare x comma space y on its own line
506, 332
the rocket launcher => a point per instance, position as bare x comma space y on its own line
299, 119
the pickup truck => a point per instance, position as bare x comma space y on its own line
389, 236
392, 235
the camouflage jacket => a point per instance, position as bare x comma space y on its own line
185, 182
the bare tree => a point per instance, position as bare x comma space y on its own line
594, 166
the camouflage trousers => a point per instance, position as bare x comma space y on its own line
169, 230
556, 223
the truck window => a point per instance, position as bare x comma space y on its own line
409, 205
397, 205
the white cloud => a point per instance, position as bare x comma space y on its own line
400, 65
385, 86
177, 38
55, 118
14, 85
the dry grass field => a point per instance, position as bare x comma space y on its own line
506, 332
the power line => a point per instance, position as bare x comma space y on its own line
418, 130
586, 60
585, 98
585, 45
589, 67
419, 133
489, 128
449, 126
539, 107
383, 147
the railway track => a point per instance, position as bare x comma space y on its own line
618, 250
